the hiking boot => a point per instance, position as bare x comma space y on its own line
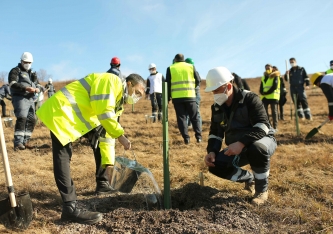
70, 212
19, 146
199, 140
260, 198
249, 186
28, 145
187, 141
103, 187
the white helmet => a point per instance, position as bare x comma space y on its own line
152, 65
50, 80
217, 77
27, 57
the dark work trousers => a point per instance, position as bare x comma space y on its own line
62, 156
101, 173
274, 110
258, 155
197, 100
302, 102
3, 105
61, 168
190, 108
24, 109
156, 105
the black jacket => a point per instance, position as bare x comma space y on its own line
245, 121
19, 79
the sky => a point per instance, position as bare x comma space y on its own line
71, 39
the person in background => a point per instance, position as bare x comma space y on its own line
241, 83
182, 78
270, 92
329, 71
325, 82
23, 87
239, 117
154, 89
115, 69
297, 78
81, 107
4, 93
49, 87
197, 98
283, 94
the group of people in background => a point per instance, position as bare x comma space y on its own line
95, 103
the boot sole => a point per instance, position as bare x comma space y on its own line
92, 221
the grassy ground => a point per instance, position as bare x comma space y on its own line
301, 176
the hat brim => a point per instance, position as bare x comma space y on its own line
210, 89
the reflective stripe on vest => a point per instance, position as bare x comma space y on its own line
266, 86
182, 80
329, 71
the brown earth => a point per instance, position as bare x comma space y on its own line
300, 192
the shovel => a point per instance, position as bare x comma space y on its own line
15, 211
315, 130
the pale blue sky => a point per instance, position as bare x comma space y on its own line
70, 39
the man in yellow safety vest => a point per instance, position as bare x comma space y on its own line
78, 108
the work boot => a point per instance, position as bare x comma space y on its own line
103, 187
19, 146
249, 186
70, 212
187, 141
260, 198
28, 145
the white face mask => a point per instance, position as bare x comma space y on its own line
332, 67
221, 98
27, 66
293, 64
132, 99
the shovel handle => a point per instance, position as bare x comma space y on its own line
6, 167
323, 123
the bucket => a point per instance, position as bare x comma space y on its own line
125, 174
8, 122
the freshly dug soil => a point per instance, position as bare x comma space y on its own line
195, 209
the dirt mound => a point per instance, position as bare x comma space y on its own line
195, 209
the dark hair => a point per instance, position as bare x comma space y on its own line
179, 58
268, 65
292, 59
136, 79
331, 62
274, 67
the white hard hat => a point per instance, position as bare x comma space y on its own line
152, 65
27, 57
217, 77
50, 80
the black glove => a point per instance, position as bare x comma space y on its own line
94, 136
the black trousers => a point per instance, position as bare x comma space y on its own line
62, 156
190, 108
3, 104
258, 155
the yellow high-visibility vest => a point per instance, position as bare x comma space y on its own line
83, 105
182, 80
266, 86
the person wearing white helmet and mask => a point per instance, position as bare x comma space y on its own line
50, 88
154, 89
24, 87
239, 116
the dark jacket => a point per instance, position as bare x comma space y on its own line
245, 121
50, 87
298, 76
5, 92
240, 83
19, 79
168, 80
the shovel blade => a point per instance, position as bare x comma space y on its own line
19, 217
312, 133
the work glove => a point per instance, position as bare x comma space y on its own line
330, 117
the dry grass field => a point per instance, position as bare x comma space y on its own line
300, 189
